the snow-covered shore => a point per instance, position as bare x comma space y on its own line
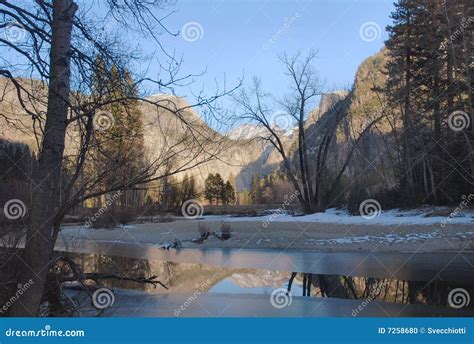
385, 218
414, 230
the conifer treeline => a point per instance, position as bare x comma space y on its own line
430, 66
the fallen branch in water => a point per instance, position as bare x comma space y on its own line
177, 244
78, 275
95, 276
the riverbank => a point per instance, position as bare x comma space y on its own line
331, 231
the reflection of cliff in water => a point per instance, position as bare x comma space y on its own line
187, 278
178, 277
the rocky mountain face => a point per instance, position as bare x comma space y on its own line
359, 108
236, 157
16, 124
239, 153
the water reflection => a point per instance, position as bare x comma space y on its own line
186, 278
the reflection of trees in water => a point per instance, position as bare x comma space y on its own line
388, 290
178, 277
185, 278
118, 265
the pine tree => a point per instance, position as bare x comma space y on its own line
209, 188
227, 193
429, 78
256, 190
119, 147
126, 135
219, 187
401, 82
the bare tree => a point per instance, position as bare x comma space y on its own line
61, 48
306, 159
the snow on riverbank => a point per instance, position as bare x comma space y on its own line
391, 238
386, 218
423, 229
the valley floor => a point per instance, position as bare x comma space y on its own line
414, 231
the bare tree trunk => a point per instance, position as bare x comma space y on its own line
39, 244
290, 282
303, 157
406, 115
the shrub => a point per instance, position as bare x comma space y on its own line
357, 195
111, 218
204, 229
226, 230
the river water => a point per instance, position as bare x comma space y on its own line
394, 278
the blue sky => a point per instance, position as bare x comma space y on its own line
244, 37
238, 38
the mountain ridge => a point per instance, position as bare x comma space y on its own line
244, 154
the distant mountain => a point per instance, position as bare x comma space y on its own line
241, 154
234, 154
236, 158
246, 132
252, 131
